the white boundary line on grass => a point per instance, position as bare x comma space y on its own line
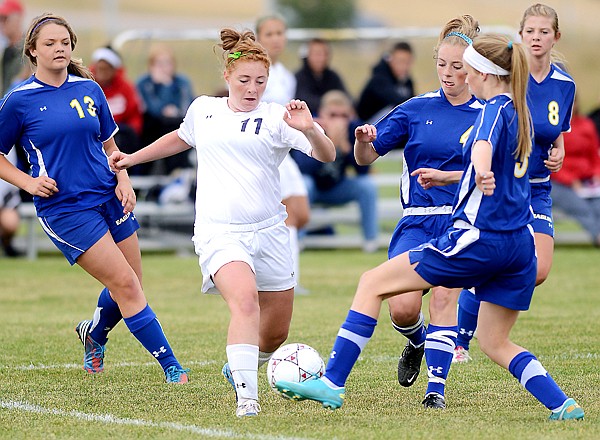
380, 358
79, 366
110, 419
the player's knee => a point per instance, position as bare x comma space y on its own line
126, 286
406, 315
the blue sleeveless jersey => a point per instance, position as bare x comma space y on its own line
508, 208
62, 130
551, 104
431, 131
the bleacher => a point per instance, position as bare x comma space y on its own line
169, 227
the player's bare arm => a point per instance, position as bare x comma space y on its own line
364, 152
42, 186
430, 177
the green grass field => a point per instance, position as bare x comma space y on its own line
44, 393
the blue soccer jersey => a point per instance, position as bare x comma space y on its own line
551, 104
62, 130
431, 131
508, 208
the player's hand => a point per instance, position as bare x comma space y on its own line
119, 161
486, 182
430, 177
126, 195
555, 159
365, 133
298, 115
42, 186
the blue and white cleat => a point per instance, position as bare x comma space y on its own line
569, 410
313, 390
226, 371
93, 356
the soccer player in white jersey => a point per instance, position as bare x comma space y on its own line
431, 129
490, 246
239, 233
550, 96
60, 117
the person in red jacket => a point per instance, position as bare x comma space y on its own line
123, 99
576, 187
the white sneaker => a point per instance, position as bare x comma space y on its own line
249, 408
460, 355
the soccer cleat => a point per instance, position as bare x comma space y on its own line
434, 401
226, 371
249, 408
460, 355
93, 356
409, 364
173, 374
569, 410
314, 389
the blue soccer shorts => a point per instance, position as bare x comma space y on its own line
74, 233
541, 203
500, 266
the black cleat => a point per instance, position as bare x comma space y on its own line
434, 401
409, 364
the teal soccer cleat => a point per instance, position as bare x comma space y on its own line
313, 390
570, 410
176, 375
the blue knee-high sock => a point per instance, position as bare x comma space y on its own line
146, 328
468, 310
106, 316
534, 377
415, 333
351, 339
439, 347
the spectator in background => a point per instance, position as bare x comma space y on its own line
328, 183
281, 88
11, 65
9, 216
390, 84
576, 187
166, 96
11, 49
315, 77
123, 101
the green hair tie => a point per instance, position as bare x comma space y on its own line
235, 56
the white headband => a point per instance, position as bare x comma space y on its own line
108, 55
481, 63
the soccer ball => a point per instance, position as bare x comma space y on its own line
294, 363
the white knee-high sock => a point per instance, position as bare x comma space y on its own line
243, 362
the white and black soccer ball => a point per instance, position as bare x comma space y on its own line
294, 363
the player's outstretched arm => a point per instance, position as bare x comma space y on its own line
165, 146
